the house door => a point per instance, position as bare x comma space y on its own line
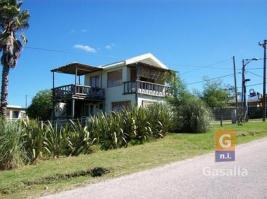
92, 109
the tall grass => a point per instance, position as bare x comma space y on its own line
12, 153
24, 142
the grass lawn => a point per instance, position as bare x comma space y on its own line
13, 183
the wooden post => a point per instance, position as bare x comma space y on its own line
101, 80
221, 117
73, 109
53, 96
138, 72
75, 75
137, 82
236, 102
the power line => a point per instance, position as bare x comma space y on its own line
255, 68
255, 74
257, 84
197, 82
251, 85
65, 51
208, 65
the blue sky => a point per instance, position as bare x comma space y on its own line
196, 38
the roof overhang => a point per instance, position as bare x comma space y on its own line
76, 68
148, 59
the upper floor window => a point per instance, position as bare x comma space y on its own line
94, 81
115, 78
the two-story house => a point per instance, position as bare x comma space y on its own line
137, 81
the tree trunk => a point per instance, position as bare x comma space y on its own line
4, 91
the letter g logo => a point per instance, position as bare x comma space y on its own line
225, 141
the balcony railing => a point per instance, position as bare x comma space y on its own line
146, 88
79, 91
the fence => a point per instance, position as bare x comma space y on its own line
228, 113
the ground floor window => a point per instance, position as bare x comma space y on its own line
15, 114
146, 103
118, 106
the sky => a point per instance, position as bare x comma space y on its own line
195, 37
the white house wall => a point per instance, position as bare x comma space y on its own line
149, 99
113, 94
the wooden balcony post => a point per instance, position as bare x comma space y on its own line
138, 71
76, 75
53, 96
73, 108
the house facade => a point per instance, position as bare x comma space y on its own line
138, 81
15, 112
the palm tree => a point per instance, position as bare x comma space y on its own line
13, 21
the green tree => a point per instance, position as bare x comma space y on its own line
215, 95
13, 21
190, 114
41, 107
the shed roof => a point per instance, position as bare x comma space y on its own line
82, 69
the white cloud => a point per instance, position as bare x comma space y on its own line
78, 31
85, 48
109, 46
83, 30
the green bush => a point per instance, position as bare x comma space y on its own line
33, 138
78, 140
137, 125
111, 132
42, 106
134, 125
192, 116
161, 118
12, 153
24, 142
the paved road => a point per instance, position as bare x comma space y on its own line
185, 179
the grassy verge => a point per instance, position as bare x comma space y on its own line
18, 183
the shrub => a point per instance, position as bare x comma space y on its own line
33, 138
136, 125
160, 117
12, 153
78, 140
111, 132
53, 140
24, 142
41, 107
190, 115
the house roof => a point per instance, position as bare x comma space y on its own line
147, 58
15, 107
82, 69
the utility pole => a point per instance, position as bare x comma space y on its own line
243, 89
245, 62
264, 80
236, 102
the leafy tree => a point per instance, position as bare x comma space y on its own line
41, 107
190, 114
13, 21
215, 95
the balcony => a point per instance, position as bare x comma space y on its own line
146, 88
73, 91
